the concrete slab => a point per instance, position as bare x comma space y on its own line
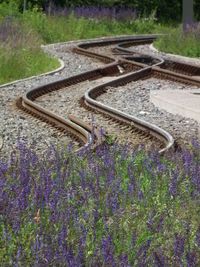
182, 102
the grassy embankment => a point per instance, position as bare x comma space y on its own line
181, 43
20, 52
22, 34
21, 55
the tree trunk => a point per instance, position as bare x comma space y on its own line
50, 7
188, 13
25, 5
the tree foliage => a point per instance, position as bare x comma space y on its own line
164, 9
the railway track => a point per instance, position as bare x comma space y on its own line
121, 66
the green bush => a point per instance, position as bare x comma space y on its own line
9, 9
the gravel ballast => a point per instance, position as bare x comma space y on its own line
152, 51
132, 98
16, 124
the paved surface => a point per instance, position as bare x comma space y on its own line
182, 102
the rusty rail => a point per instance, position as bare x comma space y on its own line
134, 69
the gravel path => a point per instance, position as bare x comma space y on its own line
15, 124
134, 99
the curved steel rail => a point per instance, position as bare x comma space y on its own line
164, 64
160, 68
63, 124
132, 120
141, 124
79, 129
132, 71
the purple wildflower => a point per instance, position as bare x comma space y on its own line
178, 247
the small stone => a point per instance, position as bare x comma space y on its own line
22, 118
143, 112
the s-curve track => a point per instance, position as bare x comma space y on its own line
121, 66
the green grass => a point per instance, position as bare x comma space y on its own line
178, 42
22, 63
57, 29
20, 53
35, 28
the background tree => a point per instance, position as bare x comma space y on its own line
165, 10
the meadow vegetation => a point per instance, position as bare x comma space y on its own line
21, 34
103, 208
20, 52
21, 55
185, 42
